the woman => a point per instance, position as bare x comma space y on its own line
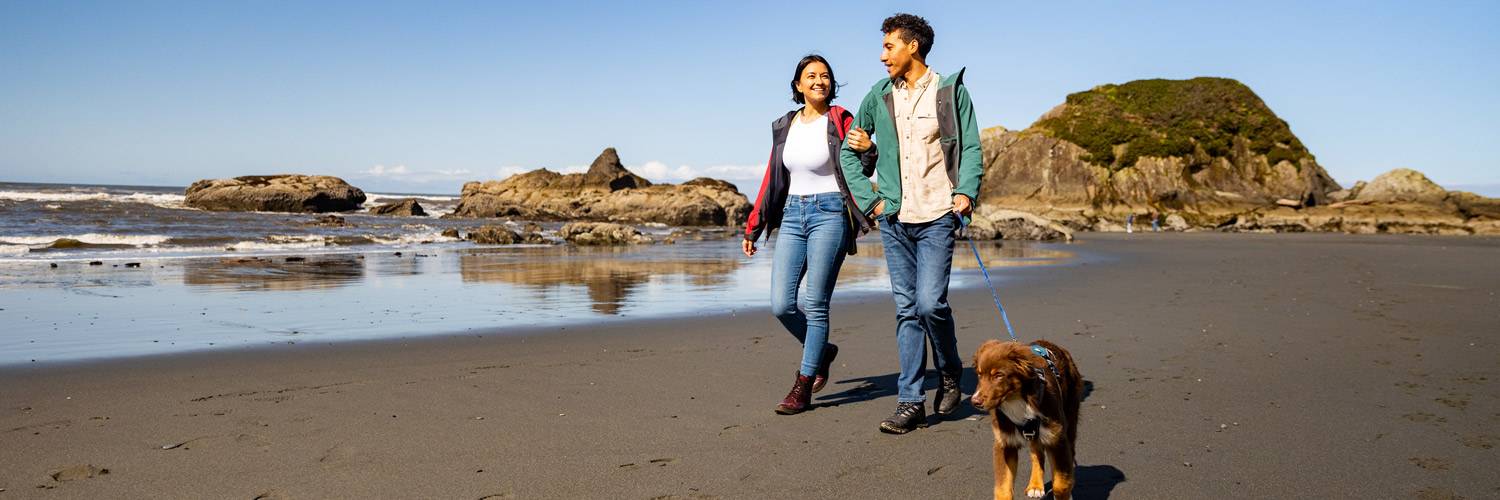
804, 196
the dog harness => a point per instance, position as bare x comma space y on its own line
1031, 426
1047, 355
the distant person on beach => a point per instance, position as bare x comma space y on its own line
804, 197
928, 169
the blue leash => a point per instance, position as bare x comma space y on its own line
1035, 349
1003, 317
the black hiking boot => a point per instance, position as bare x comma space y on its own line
908, 417
948, 396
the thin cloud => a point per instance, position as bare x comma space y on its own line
657, 171
384, 171
403, 173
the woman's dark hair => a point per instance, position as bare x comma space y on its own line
833, 83
911, 28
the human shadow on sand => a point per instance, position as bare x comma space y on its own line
880, 386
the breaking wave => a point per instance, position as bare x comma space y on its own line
165, 200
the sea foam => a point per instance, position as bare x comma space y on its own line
164, 200
136, 240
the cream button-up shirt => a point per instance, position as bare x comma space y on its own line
926, 188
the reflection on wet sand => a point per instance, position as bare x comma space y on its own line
995, 254
274, 274
76, 279
610, 275
81, 309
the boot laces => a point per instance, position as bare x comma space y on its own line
797, 389
906, 410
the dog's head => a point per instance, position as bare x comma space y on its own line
1004, 370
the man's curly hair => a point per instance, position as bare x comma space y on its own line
911, 28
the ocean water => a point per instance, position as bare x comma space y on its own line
156, 278
124, 222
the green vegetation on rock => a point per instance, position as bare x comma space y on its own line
1198, 119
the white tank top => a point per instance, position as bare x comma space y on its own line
806, 157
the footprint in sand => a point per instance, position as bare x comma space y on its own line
1436, 493
36, 429
1431, 463
253, 440
340, 456
1455, 400
209, 443
77, 472
1482, 441
1424, 417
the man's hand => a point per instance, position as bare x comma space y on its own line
748, 247
962, 205
859, 140
879, 209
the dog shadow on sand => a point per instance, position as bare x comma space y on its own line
1090, 481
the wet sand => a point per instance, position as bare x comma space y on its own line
78, 311
1244, 366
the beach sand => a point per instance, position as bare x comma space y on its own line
1244, 366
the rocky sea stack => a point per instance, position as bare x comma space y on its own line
607, 192
1166, 144
407, 207
275, 193
1206, 153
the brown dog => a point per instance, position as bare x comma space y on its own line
1033, 397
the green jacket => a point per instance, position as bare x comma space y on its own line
959, 138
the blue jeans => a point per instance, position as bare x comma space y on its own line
920, 258
808, 245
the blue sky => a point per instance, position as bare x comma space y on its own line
420, 97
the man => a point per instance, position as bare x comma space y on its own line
928, 169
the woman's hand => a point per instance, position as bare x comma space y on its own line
748, 247
879, 209
859, 140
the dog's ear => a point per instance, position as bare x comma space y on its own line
988, 345
1023, 369
1027, 362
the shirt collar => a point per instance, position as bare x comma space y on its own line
922, 82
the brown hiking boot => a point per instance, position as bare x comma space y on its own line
830, 351
799, 399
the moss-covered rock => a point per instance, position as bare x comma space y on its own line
1200, 119
1200, 145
